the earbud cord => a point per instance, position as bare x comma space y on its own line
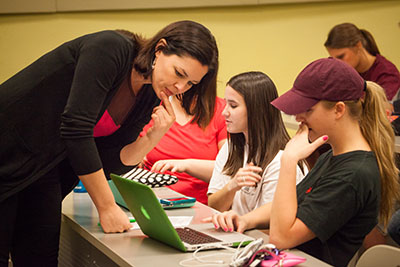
214, 262
206, 262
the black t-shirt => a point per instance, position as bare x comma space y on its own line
339, 202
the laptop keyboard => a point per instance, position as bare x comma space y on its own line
193, 237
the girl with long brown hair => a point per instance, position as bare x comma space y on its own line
247, 167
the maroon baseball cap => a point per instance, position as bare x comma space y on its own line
324, 79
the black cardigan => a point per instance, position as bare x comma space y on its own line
49, 109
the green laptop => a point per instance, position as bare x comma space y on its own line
154, 222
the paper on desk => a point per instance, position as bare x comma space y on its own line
177, 221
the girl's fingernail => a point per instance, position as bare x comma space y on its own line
325, 137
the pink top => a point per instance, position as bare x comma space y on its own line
190, 141
105, 126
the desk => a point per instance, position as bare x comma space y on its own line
291, 123
83, 243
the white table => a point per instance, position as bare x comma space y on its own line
83, 243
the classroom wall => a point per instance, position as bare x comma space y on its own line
277, 39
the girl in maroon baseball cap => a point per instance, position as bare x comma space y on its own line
329, 213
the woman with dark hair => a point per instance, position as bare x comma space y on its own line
74, 113
247, 167
357, 47
328, 214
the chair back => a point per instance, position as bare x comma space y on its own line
380, 255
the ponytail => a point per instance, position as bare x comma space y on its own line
369, 42
379, 134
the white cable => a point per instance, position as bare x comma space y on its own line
206, 262
237, 250
238, 259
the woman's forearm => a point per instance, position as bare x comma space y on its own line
98, 189
112, 218
200, 168
133, 153
222, 199
284, 205
259, 218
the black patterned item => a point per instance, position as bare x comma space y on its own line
150, 178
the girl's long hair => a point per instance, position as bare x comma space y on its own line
379, 133
266, 131
377, 130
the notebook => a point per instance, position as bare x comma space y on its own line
154, 222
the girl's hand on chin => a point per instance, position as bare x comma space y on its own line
299, 147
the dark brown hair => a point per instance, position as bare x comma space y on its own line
187, 38
266, 130
348, 35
